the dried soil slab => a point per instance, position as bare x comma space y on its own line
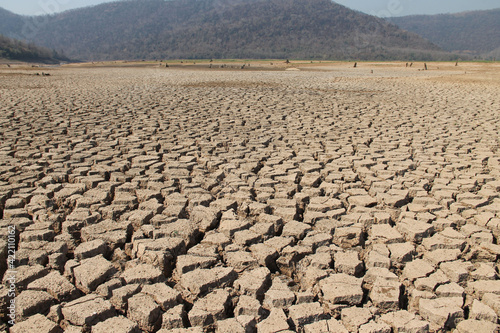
174, 318
330, 325
200, 281
25, 275
36, 323
354, 317
31, 302
484, 286
385, 294
143, 274
342, 171
209, 309
417, 269
442, 312
92, 272
88, 310
254, 282
56, 285
143, 310
305, 313
116, 324
384, 233
163, 295
342, 289
275, 322
91, 249
113, 233
402, 321
472, 326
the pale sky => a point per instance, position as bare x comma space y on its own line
383, 8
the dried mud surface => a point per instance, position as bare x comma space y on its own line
325, 199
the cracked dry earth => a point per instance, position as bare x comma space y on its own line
169, 200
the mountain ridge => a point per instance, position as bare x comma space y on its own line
194, 29
473, 33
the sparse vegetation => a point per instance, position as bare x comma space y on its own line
17, 50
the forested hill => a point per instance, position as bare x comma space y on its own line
12, 49
158, 29
475, 33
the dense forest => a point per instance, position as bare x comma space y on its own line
12, 49
471, 33
158, 29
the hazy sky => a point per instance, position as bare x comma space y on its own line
382, 8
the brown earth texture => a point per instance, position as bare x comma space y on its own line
250, 197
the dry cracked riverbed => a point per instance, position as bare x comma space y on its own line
177, 200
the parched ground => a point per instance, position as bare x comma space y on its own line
196, 199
